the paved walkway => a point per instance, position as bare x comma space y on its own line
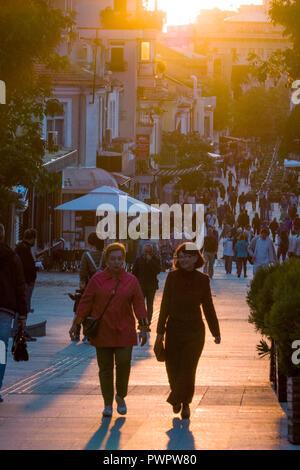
53, 401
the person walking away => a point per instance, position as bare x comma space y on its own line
210, 249
221, 215
23, 250
256, 222
262, 250
292, 244
241, 253
242, 201
228, 252
92, 261
146, 268
211, 220
243, 219
283, 245
117, 296
274, 227
180, 324
12, 297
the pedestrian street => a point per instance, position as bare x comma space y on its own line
56, 396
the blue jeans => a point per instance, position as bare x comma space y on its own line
5, 325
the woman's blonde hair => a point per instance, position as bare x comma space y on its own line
114, 247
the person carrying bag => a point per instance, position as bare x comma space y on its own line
118, 296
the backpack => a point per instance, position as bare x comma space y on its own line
99, 268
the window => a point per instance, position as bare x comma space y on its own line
145, 51
117, 63
56, 129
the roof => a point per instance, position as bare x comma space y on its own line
75, 75
60, 160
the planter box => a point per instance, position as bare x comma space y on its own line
293, 409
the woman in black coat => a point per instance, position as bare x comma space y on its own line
180, 320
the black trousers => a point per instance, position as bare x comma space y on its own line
107, 358
183, 352
149, 294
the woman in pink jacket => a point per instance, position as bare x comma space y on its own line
117, 331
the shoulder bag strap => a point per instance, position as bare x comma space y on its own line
91, 260
114, 291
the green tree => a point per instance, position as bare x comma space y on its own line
186, 151
29, 33
222, 112
261, 113
291, 137
287, 14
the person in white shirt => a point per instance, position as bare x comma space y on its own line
292, 244
228, 252
211, 220
262, 251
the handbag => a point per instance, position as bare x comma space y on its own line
19, 347
159, 351
90, 325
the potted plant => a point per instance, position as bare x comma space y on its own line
283, 324
260, 300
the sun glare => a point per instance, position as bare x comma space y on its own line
183, 12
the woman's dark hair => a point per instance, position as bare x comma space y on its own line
191, 249
95, 241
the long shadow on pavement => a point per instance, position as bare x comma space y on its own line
64, 362
114, 437
181, 438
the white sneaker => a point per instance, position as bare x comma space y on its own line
107, 412
122, 408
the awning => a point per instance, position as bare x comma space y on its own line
121, 179
178, 171
83, 180
107, 196
55, 163
291, 163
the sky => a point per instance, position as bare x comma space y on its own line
186, 11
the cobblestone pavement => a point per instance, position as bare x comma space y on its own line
54, 401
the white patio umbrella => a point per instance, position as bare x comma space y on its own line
291, 163
113, 198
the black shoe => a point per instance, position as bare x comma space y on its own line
176, 408
185, 412
1, 399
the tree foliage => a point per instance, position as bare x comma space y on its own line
261, 113
222, 112
29, 33
186, 151
287, 14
